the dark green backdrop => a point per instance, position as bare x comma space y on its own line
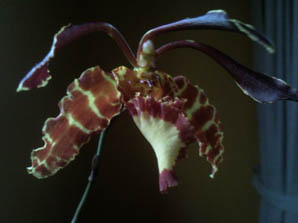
127, 185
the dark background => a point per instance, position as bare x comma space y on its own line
127, 185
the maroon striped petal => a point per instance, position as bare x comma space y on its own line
203, 117
168, 131
91, 102
39, 75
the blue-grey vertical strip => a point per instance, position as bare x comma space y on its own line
278, 123
291, 69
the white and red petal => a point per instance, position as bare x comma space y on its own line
91, 102
204, 118
168, 131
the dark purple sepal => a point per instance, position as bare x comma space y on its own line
214, 19
39, 75
260, 87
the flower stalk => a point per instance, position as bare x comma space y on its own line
93, 174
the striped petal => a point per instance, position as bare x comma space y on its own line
91, 102
203, 117
167, 130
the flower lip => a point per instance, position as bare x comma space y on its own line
167, 129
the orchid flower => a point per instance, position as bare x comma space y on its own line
170, 112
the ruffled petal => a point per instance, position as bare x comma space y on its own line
203, 117
91, 102
167, 130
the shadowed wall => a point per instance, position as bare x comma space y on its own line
127, 184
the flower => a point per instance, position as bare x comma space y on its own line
170, 112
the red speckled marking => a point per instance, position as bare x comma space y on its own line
190, 93
79, 118
210, 134
137, 82
202, 115
128, 83
203, 98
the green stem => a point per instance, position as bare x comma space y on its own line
94, 169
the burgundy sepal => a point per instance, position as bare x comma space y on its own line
214, 19
39, 75
260, 87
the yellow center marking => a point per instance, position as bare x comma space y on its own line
163, 137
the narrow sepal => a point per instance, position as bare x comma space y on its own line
214, 19
219, 19
91, 102
39, 75
168, 131
259, 86
203, 117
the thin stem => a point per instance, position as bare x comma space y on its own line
93, 172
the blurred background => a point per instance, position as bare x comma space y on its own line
126, 188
